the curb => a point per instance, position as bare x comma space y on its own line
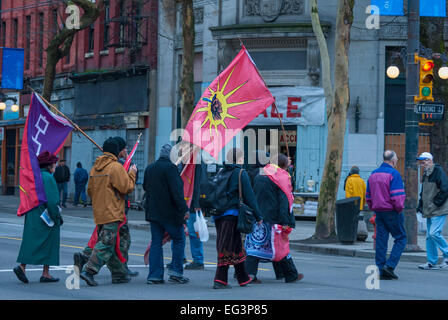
331, 251
409, 257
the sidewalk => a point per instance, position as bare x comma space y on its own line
303, 230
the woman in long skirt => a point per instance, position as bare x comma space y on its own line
229, 244
40, 242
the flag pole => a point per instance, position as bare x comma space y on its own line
66, 118
274, 105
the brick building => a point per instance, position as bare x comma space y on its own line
103, 84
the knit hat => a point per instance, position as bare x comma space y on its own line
46, 158
165, 151
111, 146
121, 143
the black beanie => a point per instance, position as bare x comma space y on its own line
111, 146
121, 143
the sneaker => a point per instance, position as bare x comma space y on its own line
388, 272
428, 266
444, 264
177, 279
121, 279
79, 260
155, 281
88, 277
219, 285
194, 266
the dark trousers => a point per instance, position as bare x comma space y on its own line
389, 222
284, 268
222, 272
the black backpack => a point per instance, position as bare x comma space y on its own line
213, 196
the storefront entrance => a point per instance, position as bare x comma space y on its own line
10, 155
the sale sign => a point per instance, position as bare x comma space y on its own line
295, 106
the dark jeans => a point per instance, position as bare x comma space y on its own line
284, 268
156, 266
389, 222
62, 187
80, 190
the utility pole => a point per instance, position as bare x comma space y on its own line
411, 126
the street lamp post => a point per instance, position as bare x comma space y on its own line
411, 127
4, 98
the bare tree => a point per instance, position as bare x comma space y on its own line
337, 106
62, 41
187, 82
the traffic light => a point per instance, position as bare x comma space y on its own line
426, 79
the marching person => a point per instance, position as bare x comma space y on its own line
385, 196
40, 242
80, 258
434, 208
108, 185
62, 177
228, 239
166, 210
81, 177
275, 208
196, 245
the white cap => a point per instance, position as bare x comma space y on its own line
425, 156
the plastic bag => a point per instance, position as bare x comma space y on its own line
280, 242
200, 227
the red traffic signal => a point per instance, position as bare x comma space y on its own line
428, 65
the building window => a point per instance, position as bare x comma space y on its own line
28, 42
41, 40
91, 44
55, 22
106, 38
122, 22
3, 40
16, 33
279, 60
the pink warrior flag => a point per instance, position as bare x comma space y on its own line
232, 100
44, 131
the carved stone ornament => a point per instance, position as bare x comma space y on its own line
270, 10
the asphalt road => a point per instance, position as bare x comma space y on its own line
326, 277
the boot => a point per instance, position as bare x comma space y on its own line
121, 278
88, 277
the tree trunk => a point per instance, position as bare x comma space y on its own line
336, 124
324, 55
187, 83
432, 37
61, 43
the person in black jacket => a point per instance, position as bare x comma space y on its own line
166, 210
228, 239
62, 177
275, 209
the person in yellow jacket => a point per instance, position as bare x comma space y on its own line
355, 186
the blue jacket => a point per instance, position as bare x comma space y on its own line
81, 176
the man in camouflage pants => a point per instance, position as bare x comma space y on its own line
108, 185
80, 258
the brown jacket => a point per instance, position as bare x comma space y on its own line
108, 185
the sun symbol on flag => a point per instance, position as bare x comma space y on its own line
218, 106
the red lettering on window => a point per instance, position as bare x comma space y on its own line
292, 107
274, 114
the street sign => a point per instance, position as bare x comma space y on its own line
430, 111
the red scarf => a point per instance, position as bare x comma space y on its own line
282, 179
